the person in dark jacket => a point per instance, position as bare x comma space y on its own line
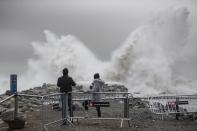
65, 83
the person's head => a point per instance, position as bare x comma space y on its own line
65, 71
96, 76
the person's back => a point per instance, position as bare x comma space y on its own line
97, 86
65, 82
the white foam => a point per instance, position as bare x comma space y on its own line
144, 62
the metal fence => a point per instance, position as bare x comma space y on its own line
113, 106
53, 109
16, 106
7, 101
172, 104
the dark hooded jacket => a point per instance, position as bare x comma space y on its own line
65, 83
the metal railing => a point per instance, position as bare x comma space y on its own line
118, 108
178, 104
6, 100
51, 110
54, 111
118, 105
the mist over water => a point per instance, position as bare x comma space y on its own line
144, 62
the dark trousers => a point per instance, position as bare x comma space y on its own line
98, 109
70, 104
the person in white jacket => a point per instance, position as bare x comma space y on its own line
96, 86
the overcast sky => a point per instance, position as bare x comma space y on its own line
102, 25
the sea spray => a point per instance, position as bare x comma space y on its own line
145, 62
4, 83
56, 54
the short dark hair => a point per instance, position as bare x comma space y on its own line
96, 76
65, 71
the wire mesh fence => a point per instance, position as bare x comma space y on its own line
79, 105
52, 110
110, 103
172, 104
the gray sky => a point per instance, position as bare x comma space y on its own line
98, 23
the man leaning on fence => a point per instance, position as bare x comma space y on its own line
65, 83
96, 86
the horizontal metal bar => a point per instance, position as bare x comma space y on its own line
54, 122
100, 118
168, 97
171, 113
99, 92
7, 98
54, 94
102, 98
29, 95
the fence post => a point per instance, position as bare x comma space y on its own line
177, 108
63, 97
15, 105
66, 106
126, 107
42, 114
71, 106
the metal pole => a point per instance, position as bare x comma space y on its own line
71, 106
177, 108
63, 105
66, 106
15, 106
126, 107
42, 113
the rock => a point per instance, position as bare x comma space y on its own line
115, 88
35, 101
24, 108
2, 109
141, 114
8, 115
8, 92
78, 106
195, 116
17, 123
5, 129
1, 122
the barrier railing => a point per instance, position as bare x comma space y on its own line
4, 101
52, 111
113, 106
172, 104
20, 103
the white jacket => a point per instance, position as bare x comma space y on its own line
97, 86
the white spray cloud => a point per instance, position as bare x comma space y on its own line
157, 46
56, 54
4, 83
143, 63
